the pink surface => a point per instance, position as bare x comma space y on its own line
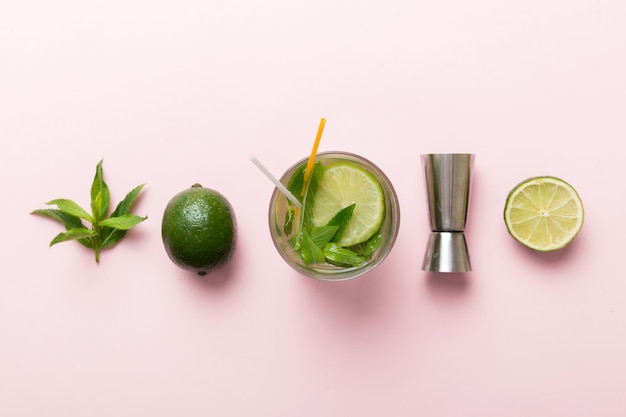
172, 93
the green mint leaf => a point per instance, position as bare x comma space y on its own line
65, 219
109, 235
96, 208
295, 187
307, 201
306, 220
296, 183
367, 248
323, 234
113, 237
311, 253
70, 207
124, 206
307, 204
100, 195
73, 234
69, 221
123, 222
341, 220
338, 256
289, 217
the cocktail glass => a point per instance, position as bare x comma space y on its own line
283, 239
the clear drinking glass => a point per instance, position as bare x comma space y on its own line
279, 206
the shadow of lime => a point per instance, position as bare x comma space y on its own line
218, 280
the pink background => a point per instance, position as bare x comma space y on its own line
177, 92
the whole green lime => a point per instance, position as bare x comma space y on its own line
199, 229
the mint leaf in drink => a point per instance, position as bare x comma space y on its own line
323, 234
307, 202
289, 218
309, 194
104, 232
338, 256
295, 187
296, 183
367, 248
341, 220
311, 253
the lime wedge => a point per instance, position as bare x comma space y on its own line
544, 213
341, 185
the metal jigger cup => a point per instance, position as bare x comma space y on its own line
448, 179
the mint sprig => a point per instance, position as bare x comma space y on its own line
103, 231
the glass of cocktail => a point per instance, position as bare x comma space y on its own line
347, 220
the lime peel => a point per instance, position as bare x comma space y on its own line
199, 229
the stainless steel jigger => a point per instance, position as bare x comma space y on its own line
448, 178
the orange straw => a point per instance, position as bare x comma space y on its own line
309, 165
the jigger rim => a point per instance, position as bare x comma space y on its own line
448, 154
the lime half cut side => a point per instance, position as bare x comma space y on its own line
544, 213
343, 184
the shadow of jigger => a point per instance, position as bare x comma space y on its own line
448, 178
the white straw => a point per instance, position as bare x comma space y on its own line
277, 183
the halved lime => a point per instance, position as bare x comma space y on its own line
342, 184
544, 213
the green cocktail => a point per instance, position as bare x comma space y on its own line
346, 221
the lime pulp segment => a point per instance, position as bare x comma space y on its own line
343, 184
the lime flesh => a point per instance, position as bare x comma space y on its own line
343, 184
544, 213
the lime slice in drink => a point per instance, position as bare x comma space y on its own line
544, 213
342, 184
